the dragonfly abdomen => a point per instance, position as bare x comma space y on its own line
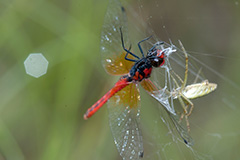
121, 83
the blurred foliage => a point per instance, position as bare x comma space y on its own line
42, 119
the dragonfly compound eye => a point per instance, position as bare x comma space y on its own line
156, 62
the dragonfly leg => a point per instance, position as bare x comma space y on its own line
139, 44
128, 52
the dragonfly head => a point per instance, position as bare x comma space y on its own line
158, 60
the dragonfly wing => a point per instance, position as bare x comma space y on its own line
124, 119
161, 95
113, 55
181, 129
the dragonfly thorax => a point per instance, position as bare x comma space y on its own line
140, 70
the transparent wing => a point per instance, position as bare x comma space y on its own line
124, 119
181, 129
162, 96
111, 46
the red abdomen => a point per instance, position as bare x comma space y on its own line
121, 83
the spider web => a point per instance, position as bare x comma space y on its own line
208, 32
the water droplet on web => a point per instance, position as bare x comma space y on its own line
109, 60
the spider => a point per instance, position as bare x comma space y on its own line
184, 93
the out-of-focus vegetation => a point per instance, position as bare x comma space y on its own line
42, 119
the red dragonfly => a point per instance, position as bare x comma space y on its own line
123, 99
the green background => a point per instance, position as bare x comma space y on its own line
42, 119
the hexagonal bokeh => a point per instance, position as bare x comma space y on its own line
36, 65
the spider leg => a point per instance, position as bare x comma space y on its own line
182, 115
189, 103
186, 119
186, 66
185, 81
187, 123
183, 104
185, 114
182, 98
